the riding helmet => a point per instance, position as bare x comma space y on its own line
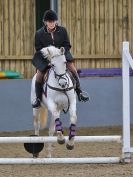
50, 15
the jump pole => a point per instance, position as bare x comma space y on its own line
84, 160
46, 139
40, 139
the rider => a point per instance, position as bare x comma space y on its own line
52, 34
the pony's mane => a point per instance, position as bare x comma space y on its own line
51, 50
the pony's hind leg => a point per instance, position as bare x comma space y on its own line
36, 117
51, 133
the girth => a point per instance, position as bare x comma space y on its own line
60, 90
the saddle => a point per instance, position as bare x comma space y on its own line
72, 78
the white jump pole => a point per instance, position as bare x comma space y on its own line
84, 160
126, 60
46, 139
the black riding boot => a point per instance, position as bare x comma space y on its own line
38, 90
81, 96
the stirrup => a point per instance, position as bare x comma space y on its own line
37, 104
83, 96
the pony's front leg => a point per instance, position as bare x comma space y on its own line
58, 124
72, 128
59, 131
36, 117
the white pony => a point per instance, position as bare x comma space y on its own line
61, 96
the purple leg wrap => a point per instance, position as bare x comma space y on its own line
72, 131
58, 125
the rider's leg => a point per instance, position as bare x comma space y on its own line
38, 89
81, 97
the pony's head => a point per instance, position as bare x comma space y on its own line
58, 63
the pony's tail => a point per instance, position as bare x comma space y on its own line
43, 117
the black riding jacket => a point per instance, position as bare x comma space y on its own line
60, 39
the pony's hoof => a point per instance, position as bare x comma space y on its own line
60, 137
69, 147
61, 141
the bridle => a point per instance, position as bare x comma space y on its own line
63, 77
58, 77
